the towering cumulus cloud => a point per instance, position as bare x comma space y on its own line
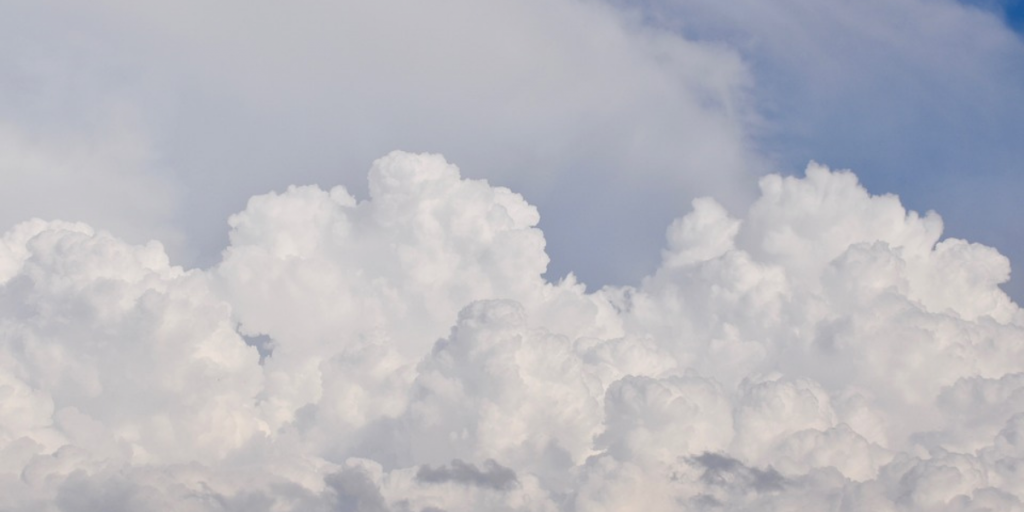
825, 351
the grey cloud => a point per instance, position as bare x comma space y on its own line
724, 471
263, 343
355, 492
492, 476
80, 494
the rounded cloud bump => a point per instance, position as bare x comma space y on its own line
826, 350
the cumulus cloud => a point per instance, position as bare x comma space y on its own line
825, 349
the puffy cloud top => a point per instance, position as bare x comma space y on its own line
824, 350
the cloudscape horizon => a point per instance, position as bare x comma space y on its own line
827, 349
512, 255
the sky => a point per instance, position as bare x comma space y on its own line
511, 255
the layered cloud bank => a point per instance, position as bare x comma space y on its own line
825, 351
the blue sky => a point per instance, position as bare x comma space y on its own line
1012, 10
936, 119
915, 104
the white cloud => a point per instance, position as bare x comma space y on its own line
824, 348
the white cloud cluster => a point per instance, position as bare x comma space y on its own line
825, 351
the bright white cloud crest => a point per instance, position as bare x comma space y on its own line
824, 352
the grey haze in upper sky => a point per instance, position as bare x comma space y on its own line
160, 119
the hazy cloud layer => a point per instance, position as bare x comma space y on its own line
825, 349
229, 100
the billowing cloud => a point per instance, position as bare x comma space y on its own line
825, 349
